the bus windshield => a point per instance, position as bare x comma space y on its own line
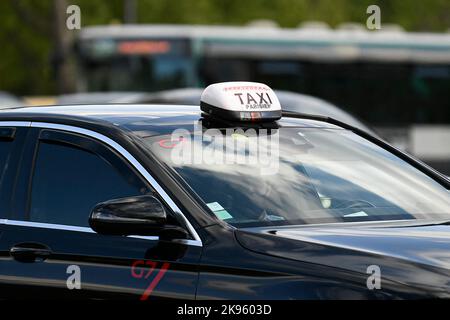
135, 64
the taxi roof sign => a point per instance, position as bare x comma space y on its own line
241, 101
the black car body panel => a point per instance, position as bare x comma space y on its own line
405, 255
106, 266
256, 272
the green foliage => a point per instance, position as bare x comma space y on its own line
26, 26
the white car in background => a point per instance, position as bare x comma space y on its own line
291, 101
8, 100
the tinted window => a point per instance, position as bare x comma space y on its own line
135, 64
408, 93
300, 176
68, 182
5, 154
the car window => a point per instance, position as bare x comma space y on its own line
68, 182
5, 154
299, 176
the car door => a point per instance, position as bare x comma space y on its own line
52, 250
12, 138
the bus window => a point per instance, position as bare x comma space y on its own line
381, 93
135, 64
280, 74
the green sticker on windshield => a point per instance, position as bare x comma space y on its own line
356, 214
223, 215
219, 211
215, 206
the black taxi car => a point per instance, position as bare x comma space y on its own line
232, 200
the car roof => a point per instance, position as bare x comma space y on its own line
290, 101
142, 120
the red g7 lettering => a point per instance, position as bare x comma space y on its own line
141, 269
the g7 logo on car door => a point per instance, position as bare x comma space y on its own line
141, 269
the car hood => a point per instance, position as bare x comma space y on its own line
416, 256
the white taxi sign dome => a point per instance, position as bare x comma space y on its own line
241, 101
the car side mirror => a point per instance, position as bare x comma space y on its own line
139, 215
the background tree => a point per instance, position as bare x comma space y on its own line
27, 27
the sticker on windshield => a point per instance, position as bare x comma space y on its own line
170, 143
215, 206
356, 214
219, 211
238, 136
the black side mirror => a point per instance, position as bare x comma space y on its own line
140, 215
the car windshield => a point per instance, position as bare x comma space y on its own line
299, 176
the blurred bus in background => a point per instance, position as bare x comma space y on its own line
398, 82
